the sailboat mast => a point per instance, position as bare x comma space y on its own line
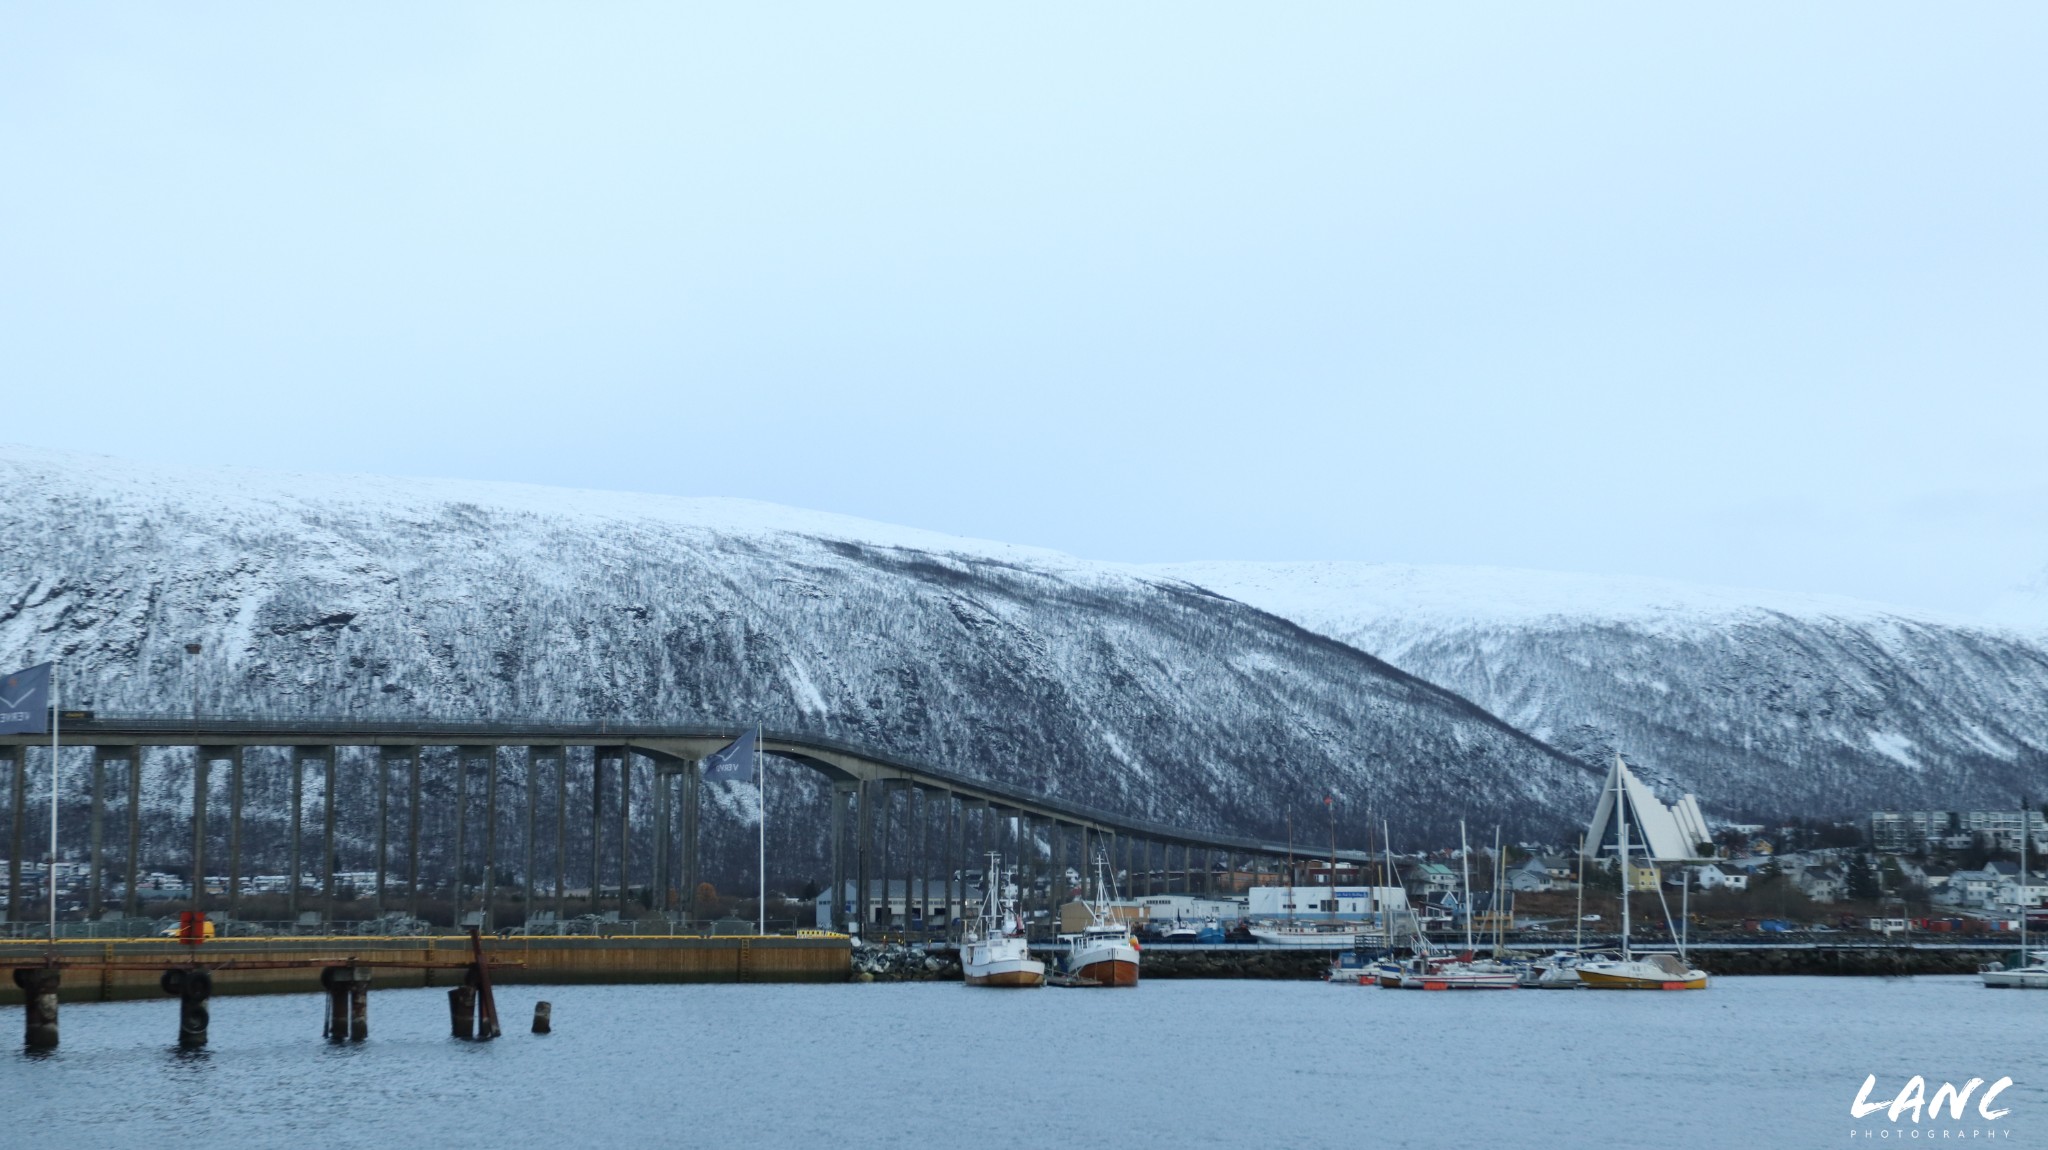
1465, 879
1330, 805
1621, 838
1579, 928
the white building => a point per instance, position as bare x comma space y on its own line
1349, 901
1158, 908
1712, 877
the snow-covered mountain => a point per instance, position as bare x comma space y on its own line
381, 597
1762, 702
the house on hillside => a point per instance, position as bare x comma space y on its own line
1712, 877
1531, 875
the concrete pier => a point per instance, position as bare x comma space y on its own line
649, 959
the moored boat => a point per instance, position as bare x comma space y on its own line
1642, 972
1103, 953
993, 949
2029, 975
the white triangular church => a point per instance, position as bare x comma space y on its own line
1673, 834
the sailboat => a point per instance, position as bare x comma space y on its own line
993, 950
1631, 971
1428, 971
1103, 952
2032, 973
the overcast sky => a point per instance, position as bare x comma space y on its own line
1751, 297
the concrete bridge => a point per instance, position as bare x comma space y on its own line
885, 812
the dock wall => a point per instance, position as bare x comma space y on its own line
640, 959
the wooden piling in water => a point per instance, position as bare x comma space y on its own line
543, 1017
462, 1011
191, 988
39, 984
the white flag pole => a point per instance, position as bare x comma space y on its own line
761, 864
50, 872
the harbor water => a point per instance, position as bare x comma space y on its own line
1752, 1062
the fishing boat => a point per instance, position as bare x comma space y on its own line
1632, 971
1103, 953
993, 949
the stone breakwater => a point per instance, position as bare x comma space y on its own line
895, 962
1861, 961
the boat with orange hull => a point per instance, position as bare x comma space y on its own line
1103, 953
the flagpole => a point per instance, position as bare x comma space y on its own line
50, 872
761, 864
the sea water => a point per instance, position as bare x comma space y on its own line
1751, 1062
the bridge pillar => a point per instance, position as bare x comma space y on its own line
234, 891
1056, 893
203, 759
842, 793
561, 837
692, 784
490, 873
626, 825
864, 832
299, 756
412, 831
328, 896
131, 905
597, 757
533, 758
385, 757
95, 832
659, 861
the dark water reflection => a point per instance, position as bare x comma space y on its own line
1753, 1063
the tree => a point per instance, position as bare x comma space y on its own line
1862, 879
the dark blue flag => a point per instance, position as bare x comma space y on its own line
732, 764
25, 702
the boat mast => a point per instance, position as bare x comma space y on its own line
1499, 873
1621, 839
1290, 868
1465, 871
2023, 882
1579, 929
1330, 805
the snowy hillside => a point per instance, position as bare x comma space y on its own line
401, 598
1758, 701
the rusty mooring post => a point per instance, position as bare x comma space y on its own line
542, 1016
462, 1011
359, 1007
39, 987
191, 988
348, 1002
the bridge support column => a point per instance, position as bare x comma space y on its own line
625, 824
533, 758
863, 830
597, 758
692, 781
490, 875
131, 905
920, 871
658, 862
385, 757
841, 795
95, 833
234, 891
329, 897
1056, 894
383, 830
11, 759
299, 756
561, 838
203, 759
412, 830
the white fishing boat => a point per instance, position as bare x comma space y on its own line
993, 949
1103, 953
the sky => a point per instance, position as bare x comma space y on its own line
1748, 294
